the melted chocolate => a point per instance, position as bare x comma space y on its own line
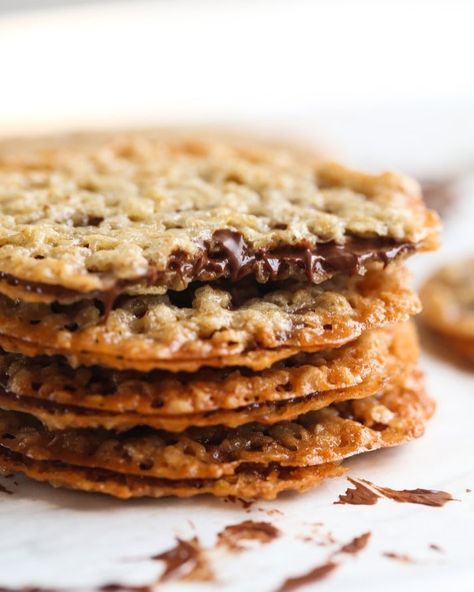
357, 544
318, 573
227, 255
248, 530
232, 254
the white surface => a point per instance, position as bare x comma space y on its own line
379, 92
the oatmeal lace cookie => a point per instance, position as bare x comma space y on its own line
211, 326
96, 216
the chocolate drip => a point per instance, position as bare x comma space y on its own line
234, 256
228, 255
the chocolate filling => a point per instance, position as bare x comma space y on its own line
228, 255
324, 258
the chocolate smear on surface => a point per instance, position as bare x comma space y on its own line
185, 561
316, 574
357, 544
233, 535
435, 547
425, 497
398, 557
367, 493
359, 495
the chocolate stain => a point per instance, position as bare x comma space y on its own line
357, 544
398, 557
185, 561
363, 494
359, 495
314, 575
436, 548
425, 497
233, 535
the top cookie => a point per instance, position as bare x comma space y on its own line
96, 215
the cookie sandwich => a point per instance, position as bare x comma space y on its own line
185, 315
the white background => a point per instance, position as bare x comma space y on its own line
322, 69
385, 84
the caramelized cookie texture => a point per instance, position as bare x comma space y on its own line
237, 326
399, 359
94, 216
251, 482
398, 414
208, 390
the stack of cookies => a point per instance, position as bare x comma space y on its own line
182, 316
